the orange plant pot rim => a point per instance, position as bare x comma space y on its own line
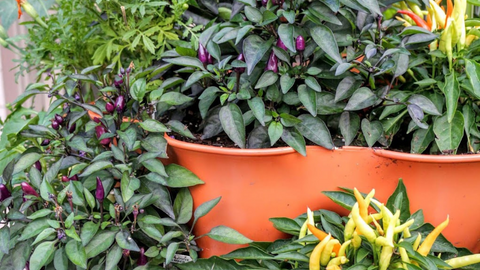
427, 158
248, 152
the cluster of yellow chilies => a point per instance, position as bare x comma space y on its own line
449, 22
331, 254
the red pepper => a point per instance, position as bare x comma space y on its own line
419, 21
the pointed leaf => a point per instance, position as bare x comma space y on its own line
315, 130
294, 139
372, 131
451, 91
76, 253
308, 98
362, 98
285, 32
204, 208
258, 108
323, 36
228, 235
254, 48
448, 134
349, 124
231, 119
275, 131
42, 254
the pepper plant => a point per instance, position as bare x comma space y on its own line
389, 237
84, 184
444, 78
292, 72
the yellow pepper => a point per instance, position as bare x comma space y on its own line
416, 243
463, 261
458, 15
317, 252
426, 245
362, 226
349, 229
327, 251
343, 248
439, 14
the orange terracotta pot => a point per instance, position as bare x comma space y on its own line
256, 185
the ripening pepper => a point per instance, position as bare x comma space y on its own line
4, 192
72, 128
74, 178
264, 3
28, 190
300, 43
99, 191
272, 63
45, 142
202, 54
65, 178
281, 45
118, 83
240, 69
110, 107
38, 165
210, 59
142, 260
55, 125
120, 103
100, 130
59, 119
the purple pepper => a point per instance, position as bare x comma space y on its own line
77, 97
59, 119
45, 142
281, 45
240, 69
120, 103
142, 260
65, 178
99, 192
210, 59
118, 83
264, 3
4, 192
203, 54
100, 130
110, 107
38, 165
272, 63
122, 70
72, 128
300, 43
28, 190
61, 234
74, 178
55, 125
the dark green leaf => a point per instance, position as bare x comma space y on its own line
254, 50
362, 98
76, 253
179, 176
232, 123
99, 243
138, 89
41, 254
153, 126
125, 241
294, 139
315, 130
452, 94
349, 125
275, 131
372, 131
285, 32
323, 36
227, 235
448, 134
204, 208
183, 206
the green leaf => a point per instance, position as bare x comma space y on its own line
315, 130
294, 139
286, 82
399, 201
128, 136
153, 126
258, 108
275, 131
448, 134
323, 36
99, 243
228, 235
113, 257
268, 78
171, 250
344, 199
204, 208
372, 131
60, 260
286, 225
421, 139
313, 84
41, 254
232, 123
186, 61
349, 125
138, 89
179, 176
183, 206
46, 189
472, 69
40, 213
4, 239
126, 187
26, 161
125, 241
156, 166
254, 50
175, 98
89, 230
308, 98
76, 253
95, 167
362, 98
451, 91
285, 32
253, 14
33, 229
292, 256
425, 103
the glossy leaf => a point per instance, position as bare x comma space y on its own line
323, 36
448, 134
125, 241
41, 254
99, 243
204, 208
179, 176
285, 32
349, 125
372, 131
451, 91
76, 253
257, 106
308, 98
227, 235
421, 139
254, 48
275, 131
315, 130
268, 78
472, 69
113, 257
424, 103
232, 123
361, 99
183, 206
294, 139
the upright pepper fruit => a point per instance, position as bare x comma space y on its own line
426, 245
418, 21
315, 256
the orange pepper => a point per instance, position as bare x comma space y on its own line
321, 235
19, 8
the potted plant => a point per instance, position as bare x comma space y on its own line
372, 235
300, 74
92, 193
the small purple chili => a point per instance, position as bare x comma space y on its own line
240, 69
38, 165
142, 260
45, 142
118, 83
300, 43
120, 103
76, 97
122, 70
203, 54
210, 59
59, 119
110, 107
272, 63
4, 192
264, 3
99, 191
61, 234
74, 177
100, 130
72, 128
28, 190
55, 125
281, 45
65, 178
